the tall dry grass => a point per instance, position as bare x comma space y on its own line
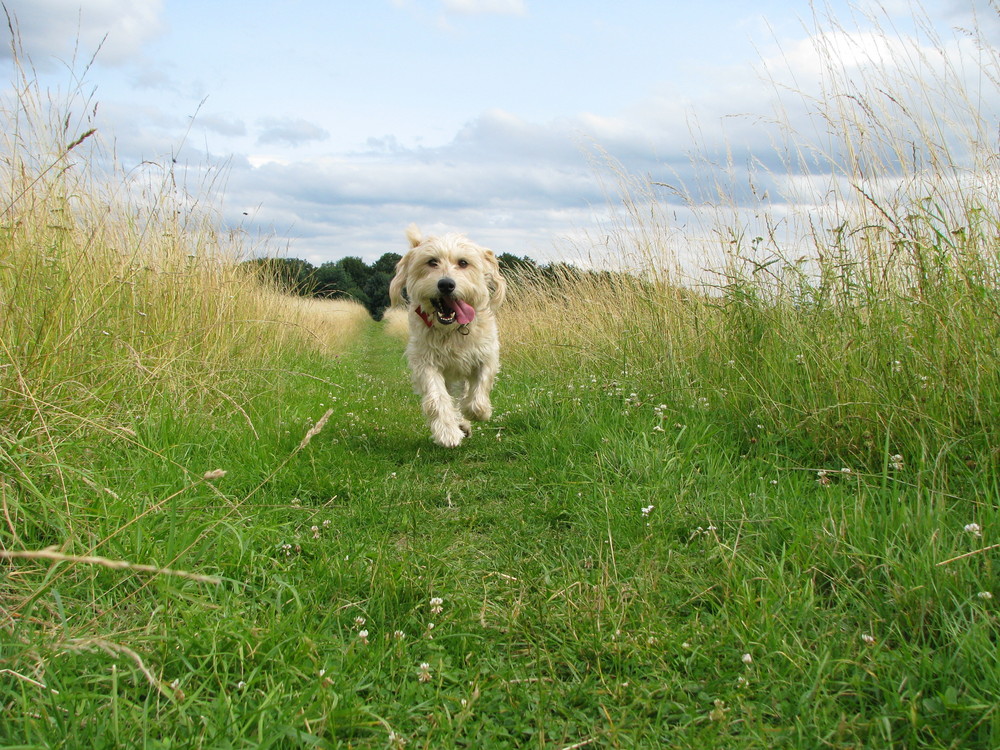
856, 311
119, 290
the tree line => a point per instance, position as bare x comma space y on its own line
367, 283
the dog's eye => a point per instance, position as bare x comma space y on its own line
463, 264
433, 263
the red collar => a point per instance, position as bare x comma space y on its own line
426, 318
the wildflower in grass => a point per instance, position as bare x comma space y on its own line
240, 685
315, 531
719, 712
747, 659
846, 471
985, 595
396, 741
214, 474
823, 477
363, 636
868, 639
974, 528
896, 462
800, 359
359, 621
742, 682
436, 607
326, 523
646, 511
425, 672
398, 635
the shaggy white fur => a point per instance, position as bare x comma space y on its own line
452, 288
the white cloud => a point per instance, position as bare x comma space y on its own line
290, 132
63, 29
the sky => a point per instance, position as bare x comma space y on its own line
336, 123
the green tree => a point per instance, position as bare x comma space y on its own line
289, 275
377, 290
387, 264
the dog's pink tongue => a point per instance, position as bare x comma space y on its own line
464, 312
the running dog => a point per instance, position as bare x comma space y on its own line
452, 289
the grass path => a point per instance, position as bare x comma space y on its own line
594, 568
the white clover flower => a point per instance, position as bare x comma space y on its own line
436, 607
985, 595
646, 510
868, 639
747, 659
425, 672
974, 528
363, 636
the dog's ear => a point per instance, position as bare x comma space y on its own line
495, 280
398, 283
414, 235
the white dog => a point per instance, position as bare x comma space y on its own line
452, 288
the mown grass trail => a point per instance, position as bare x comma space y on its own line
596, 567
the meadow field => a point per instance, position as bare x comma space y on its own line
757, 512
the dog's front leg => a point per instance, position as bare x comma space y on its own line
439, 408
476, 402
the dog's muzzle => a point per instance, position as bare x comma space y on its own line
449, 309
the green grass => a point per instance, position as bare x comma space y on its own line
567, 615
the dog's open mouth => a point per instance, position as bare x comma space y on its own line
448, 310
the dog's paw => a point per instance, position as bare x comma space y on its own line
480, 411
448, 436
465, 427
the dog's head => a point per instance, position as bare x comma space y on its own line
447, 279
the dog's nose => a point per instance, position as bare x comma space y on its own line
446, 285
